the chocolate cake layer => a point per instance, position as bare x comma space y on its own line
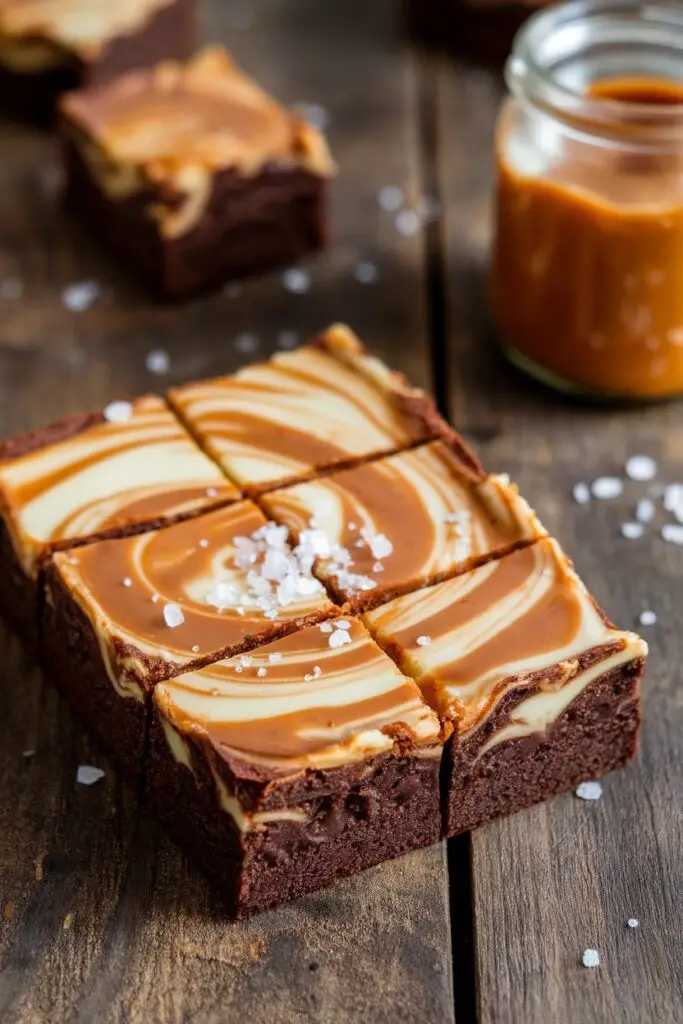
504, 654
398, 523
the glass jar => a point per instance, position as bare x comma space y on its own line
587, 281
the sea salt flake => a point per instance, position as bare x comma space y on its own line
339, 638
672, 533
325, 627
195, 648
262, 672
673, 498
378, 567
127, 581
633, 922
458, 518
607, 487
407, 223
246, 343
222, 594
645, 510
589, 791
632, 531
365, 272
423, 641
80, 296
343, 624
275, 656
590, 958
641, 468
158, 361
173, 615
118, 412
308, 678
87, 774
581, 493
211, 492
317, 671
381, 546
296, 280
203, 543
390, 198
647, 618
154, 598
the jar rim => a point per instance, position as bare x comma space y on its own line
531, 75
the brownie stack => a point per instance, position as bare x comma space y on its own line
293, 607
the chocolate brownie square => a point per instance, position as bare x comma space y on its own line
121, 615
283, 770
540, 690
194, 174
126, 468
329, 403
49, 46
398, 523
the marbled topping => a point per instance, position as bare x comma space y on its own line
470, 640
119, 472
177, 124
305, 700
197, 588
75, 26
402, 520
302, 410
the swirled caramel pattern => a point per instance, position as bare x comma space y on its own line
111, 476
302, 702
302, 411
471, 639
126, 586
436, 515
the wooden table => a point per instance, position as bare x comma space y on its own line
101, 920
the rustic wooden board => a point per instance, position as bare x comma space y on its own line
566, 876
100, 918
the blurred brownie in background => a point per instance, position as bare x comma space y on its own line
194, 174
49, 46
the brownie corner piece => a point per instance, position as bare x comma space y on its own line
194, 174
50, 47
272, 813
541, 691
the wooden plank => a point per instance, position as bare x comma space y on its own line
119, 928
560, 878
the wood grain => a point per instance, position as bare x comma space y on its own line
566, 876
100, 918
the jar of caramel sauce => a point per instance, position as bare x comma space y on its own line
587, 279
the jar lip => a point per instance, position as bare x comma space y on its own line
659, 22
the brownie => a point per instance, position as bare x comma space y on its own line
194, 174
136, 610
127, 468
468, 28
539, 689
50, 46
327, 404
309, 759
401, 522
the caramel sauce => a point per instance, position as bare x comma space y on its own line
588, 261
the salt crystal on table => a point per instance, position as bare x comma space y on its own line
645, 510
158, 361
647, 618
118, 412
296, 280
246, 343
390, 198
607, 487
581, 493
641, 468
365, 273
173, 615
633, 922
672, 533
673, 497
590, 958
407, 223
87, 774
632, 531
80, 296
589, 791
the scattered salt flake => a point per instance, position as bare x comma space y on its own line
381, 546
275, 656
246, 343
633, 922
365, 272
325, 627
339, 638
87, 774
581, 493
632, 531
308, 678
607, 487
11, 288
673, 497
238, 668
211, 492
118, 412
590, 958
80, 296
589, 791
203, 543
352, 527
459, 517
430, 207
317, 671
423, 641
672, 533
407, 223
287, 339
262, 672
195, 648
378, 567
127, 581
245, 660
645, 510
173, 615
647, 618
390, 198
296, 280
343, 624
158, 361
641, 468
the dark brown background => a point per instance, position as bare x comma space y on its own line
100, 918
